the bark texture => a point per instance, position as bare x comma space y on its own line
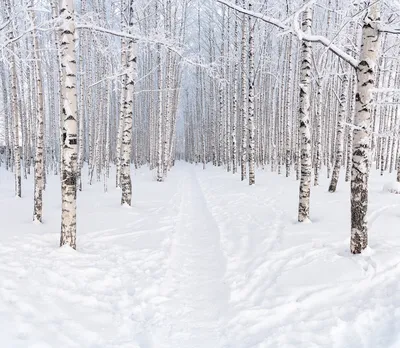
361, 136
69, 129
304, 119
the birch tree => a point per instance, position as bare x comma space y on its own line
244, 110
251, 125
39, 153
69, 131
304, 118
366, 70
126, 183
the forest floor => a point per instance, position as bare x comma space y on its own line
200, 261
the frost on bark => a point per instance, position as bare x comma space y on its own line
361, 136
69, 130
39, 154
304, 119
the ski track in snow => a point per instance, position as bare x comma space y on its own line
200, 261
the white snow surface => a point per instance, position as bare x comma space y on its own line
392, 187
199, 261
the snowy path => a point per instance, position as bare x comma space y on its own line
199, 296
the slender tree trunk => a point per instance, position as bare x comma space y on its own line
361, 136
318, 142
251, 124
69, 131
16, 117
126, 148
340, 133
159, 137
304, 118
288, 109
39, 155
244, 96
235, 95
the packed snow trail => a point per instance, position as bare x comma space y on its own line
199, 296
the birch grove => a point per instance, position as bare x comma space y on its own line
299, 88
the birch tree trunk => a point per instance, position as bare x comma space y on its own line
304, 118
318, 141
126, 183
340, 133
350, 118
235, 94
288, 109
361, 135
39, 160
244, 96
252, 175
14, 106
16, 128
69, 131
160, 176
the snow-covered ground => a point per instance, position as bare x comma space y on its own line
200, 261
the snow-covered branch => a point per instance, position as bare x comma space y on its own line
294, 27
265, 18
164, 42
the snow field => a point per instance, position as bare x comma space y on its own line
297, 285
202, 260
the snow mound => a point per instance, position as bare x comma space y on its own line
392, 187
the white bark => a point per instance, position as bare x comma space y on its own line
69, 132
244, 110
126, 148
304, 118
39, 154
251, 124
318, 141
340, 133
361, 140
